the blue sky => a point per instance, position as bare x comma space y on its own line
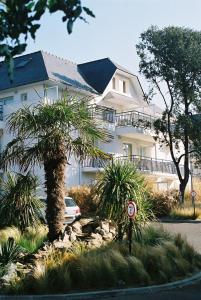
115, 31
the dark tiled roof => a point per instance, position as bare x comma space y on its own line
98, 73
33, 71
39, 66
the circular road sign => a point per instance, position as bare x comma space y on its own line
193, 193
132, 209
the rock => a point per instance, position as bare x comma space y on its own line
96, 240
85, 221
91, 226
77, 227
68, 230
108, 237
66, 238
58, 244
11, 273
99, 230
105, 226
113, 230
73, 237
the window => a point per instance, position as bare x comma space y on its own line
124, 87
7, 100
127, 150
51, 94
113, 83
23, 63
24, 97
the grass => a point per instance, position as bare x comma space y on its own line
156, 258
186, 213
30, 240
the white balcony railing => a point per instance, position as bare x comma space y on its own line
142, 163
130, 118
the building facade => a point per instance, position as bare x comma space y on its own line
117, 100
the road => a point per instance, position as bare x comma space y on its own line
191, 230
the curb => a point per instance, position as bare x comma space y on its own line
168, 220
104, 294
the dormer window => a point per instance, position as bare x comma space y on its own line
123, 86
114, 83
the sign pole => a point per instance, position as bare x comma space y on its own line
130, 235
193, 195
132, 210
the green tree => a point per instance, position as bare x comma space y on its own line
19, 205
170, 59
116, 185
20, 18
49, 134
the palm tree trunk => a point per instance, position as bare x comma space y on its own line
55, 183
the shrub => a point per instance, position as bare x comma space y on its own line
118, 184
84, 197
163, 202
19, 205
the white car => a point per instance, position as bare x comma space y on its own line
72, 211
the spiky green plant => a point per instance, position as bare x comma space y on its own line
118, 184
49, 134
9, 253
19, 205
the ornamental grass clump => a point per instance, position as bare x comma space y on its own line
165, 259
29, 240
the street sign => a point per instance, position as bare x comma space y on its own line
193, 193
132, 209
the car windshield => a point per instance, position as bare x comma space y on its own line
69, 202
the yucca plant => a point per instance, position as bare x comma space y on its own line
9, 253
118, 184
19, 205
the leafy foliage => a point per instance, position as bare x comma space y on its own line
163, 202
84, 197
170, 59
18, 19
19, 205
49, 134
118, 184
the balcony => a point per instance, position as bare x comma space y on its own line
93, 165
135, 119
150, 165
143, 164
131, 124
134, 124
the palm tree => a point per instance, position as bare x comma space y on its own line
119, 183
19, 205
49, 134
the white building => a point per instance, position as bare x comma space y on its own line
118, 100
